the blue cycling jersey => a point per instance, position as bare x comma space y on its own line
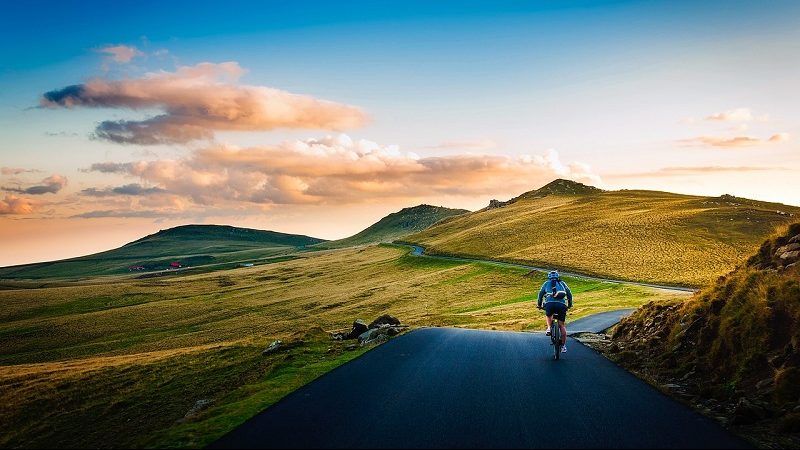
554, 286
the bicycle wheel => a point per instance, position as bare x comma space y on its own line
556, 336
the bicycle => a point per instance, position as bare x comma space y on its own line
555, 339
555, 336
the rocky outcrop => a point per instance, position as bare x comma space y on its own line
199, 406
382, 328
273, 347
734, 348
493, 204
780, 252
359, 327
385, 319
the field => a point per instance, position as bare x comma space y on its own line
649, 236
132, 356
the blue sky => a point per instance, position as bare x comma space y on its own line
695, 97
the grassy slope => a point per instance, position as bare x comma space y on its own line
736, 332
397, 225
192, 245
633, 235
133, 356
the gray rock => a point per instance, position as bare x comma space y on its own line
788, 248
359, 327
767, 382
377, 339
273, 347
198, 406
372, 334
795, 239
790, 255
385, 319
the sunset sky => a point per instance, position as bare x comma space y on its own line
318, 118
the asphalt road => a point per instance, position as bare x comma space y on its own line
444, 387
420, 251
597, 323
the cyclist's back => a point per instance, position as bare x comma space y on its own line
558, 300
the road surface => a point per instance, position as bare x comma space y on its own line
420, 251
597, 323
447, 387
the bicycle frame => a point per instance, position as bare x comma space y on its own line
555, 337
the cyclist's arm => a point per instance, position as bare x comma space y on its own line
542, 291
569, 294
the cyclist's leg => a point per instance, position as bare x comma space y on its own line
549, 320
562, 317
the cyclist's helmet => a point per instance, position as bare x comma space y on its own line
553, 275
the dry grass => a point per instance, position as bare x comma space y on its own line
633, 235
132, 356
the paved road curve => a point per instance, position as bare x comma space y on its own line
444, 387
416, 250
597, 323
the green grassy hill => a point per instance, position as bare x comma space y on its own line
736, 342
191, 245
650, 236
397, 225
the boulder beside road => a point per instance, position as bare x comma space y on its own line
381, 328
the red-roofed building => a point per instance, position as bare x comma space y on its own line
175, 265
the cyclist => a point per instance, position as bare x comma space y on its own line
559, 299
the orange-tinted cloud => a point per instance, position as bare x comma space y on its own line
16, 170
779, 137
735, 141
197, 101
733, 115
121, 53
11, 204
338, 170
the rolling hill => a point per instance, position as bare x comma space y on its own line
397, 225
650, 236
189, 245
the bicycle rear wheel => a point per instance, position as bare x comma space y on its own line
556, 337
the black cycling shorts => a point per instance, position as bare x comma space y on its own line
557, 310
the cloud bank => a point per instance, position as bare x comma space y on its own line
16, 171
11, 204
338, 170
196, 101
128, 189
50, 185
734, 141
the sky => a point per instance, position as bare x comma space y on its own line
319, 118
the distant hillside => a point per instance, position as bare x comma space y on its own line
736, 342
398, 225
638, 235
188, 245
